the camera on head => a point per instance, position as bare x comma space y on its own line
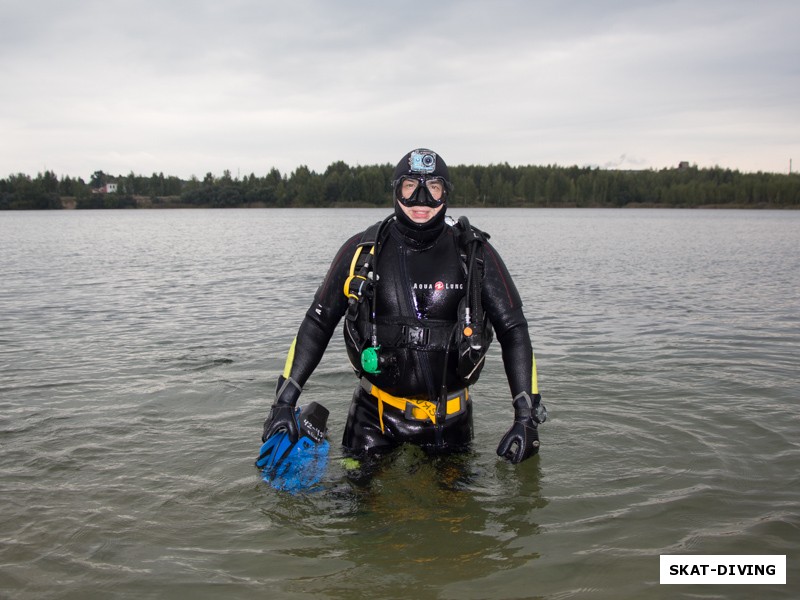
422, 161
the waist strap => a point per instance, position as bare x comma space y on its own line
420, 410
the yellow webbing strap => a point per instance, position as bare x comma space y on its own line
352, 275
422, 409
287, 368
534, 376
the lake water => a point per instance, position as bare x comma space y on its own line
139, 351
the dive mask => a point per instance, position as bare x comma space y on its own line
421, 191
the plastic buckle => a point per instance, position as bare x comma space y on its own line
417, 336
441, 410
409, 415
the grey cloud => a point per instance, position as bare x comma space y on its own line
187, 87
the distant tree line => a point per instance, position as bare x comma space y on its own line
499, 185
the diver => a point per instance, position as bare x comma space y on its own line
422, 298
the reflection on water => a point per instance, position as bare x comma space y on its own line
419, 521
139, 351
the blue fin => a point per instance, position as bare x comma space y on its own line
274, 450
295, 467
303, 468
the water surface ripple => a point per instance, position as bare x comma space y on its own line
139, 349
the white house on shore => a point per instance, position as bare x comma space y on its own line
109, 188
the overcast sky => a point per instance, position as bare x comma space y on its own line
187, 87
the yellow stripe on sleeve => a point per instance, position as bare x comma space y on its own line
287, 369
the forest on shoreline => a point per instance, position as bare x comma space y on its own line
341, 185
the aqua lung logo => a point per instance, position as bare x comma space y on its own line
438, 286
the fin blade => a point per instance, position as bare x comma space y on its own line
274, 450
303, 468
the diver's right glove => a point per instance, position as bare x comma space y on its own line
282, 414
522, 440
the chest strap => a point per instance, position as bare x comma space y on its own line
434, 335
419, 410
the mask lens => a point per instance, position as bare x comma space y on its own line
408, 187
435, 188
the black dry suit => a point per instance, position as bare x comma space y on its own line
406, 311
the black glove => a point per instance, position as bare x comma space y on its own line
282, 414
522, 440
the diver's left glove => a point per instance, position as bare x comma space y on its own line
282, 414
522, 440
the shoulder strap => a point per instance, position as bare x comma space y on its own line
360, 280
361, 264
471, 240
370, 235
468, 233
473, 332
